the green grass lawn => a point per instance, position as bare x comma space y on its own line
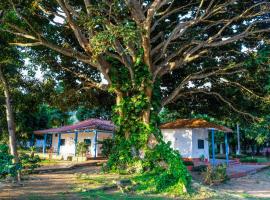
255, 159
52, 162
262, 159
89, 188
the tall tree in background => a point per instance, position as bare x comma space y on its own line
150, 54
9, 61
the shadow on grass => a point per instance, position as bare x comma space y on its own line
102, 195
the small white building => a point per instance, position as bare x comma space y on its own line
63, 140
190, 137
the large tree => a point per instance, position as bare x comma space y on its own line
10, 61
149, 54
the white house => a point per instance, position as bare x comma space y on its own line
190, 137
63, 140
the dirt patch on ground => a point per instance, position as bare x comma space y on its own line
253, 185
54, 185
60, 185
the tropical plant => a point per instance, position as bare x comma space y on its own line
215, 174
7, 167
81, 148
29, 162
107, 146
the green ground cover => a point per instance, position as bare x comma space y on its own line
52, 162
90, 188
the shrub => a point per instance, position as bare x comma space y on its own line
7, 168
29, 162
215, 175
200, 168
249, 160
188, 163
239, 156
106, 148
81, 148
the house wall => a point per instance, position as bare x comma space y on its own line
186, 141
69, 147
200, 133
181, 140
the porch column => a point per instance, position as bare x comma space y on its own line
227, 148
95, 143
76, 141
32, 140
213, 148
59, 143
238, 152
221, 148
44, 143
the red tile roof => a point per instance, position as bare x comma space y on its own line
99, 124
194, 123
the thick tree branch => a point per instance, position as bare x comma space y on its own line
198, 76
77, 32
221, 98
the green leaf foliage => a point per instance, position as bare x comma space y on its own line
7, 168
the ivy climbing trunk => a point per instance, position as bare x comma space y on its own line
138, 144
10, 121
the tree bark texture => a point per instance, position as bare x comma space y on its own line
10, 121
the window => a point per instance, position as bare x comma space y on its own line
62, 142
87, 141
200, 144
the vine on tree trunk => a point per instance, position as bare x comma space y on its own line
139, 147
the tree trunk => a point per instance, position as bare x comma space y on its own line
138, 145
10, 122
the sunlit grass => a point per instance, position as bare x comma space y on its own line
90, 188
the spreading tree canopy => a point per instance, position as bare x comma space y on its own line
148, 54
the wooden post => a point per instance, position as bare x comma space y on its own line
59, 144
44, 143
226, 148
76, 141
238, 152
213, 148
95, 143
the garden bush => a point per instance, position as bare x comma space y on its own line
188, 163
249, 160
239, 156
106, 148
215, 175
200, 168
81, 148
29, 162
7, 168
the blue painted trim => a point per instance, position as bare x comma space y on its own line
226, 148
213, 148
32, 140
76, 140
95, 143
44, 143
59, 144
